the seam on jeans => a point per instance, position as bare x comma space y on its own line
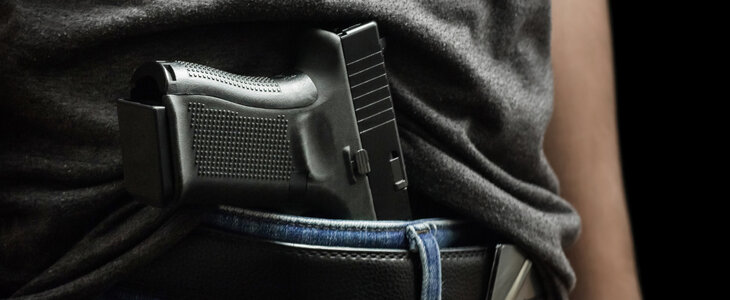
229, 212
416, 243
319, 226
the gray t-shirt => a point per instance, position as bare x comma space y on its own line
471, 83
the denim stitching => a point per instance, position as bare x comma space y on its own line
431, 248
216, 219
313, 236
416, 244
314, 226
349, 225
422, 240
366, 234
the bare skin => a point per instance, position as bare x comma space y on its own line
582, 146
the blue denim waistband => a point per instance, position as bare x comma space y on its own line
329, 232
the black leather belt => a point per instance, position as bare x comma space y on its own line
212, 264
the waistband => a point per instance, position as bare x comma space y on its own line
248, 254
341, 233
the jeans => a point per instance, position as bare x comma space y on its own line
425, 237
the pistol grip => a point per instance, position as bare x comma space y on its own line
195, 134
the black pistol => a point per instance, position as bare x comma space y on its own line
321, 141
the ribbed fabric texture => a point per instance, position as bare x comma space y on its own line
471, 83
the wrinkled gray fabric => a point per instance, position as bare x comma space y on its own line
471, 83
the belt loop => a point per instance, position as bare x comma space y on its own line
421, 239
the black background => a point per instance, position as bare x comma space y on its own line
667, 128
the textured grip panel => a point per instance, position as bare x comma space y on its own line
227, 144
252, 83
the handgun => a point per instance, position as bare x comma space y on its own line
321, 140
